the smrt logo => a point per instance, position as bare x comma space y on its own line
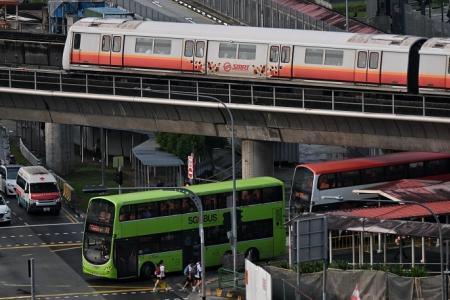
227, 67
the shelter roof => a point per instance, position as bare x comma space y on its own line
149, 156
397, 227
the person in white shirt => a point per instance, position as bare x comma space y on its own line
160, 273
197, 277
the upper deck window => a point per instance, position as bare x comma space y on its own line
101, 211
227, 50
313, 56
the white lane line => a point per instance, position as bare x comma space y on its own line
39, 225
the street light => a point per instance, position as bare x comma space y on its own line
233, 171
436, 218
193, 196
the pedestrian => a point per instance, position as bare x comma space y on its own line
197, 277
189, 272
160, 273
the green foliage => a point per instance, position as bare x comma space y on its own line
183, 145
340, 264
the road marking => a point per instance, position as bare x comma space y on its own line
69, 216
64, 249
43, 245
39, 225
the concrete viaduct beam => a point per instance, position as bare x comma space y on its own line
268, 124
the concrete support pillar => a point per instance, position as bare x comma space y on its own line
59, 153
257, 158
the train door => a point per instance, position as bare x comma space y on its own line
279, 61
116, 51
368, 66
105, 50
76, 42
88, 51
374, 70
447, 74
194, 56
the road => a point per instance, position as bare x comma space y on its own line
55, 244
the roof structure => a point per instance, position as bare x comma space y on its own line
328, 16
148, 156
433, 194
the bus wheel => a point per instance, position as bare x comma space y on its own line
252, 254
147, 271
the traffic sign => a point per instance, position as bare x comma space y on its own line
190, 172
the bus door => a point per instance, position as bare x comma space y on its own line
194, 56
278, 227
368, 67
190, 246
126, 259
279, 63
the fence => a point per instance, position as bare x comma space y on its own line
28, 155
266, 13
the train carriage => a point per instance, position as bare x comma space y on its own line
434, 66
111, 45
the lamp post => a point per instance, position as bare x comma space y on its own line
193, 196
436, 218
233, 171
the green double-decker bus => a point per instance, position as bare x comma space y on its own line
125, 235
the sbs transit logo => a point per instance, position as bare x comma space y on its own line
227, 67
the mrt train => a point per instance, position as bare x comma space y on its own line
388, 62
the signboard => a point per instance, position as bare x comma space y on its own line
312, 241
190, 171
117, 161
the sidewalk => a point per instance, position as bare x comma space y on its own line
213, 292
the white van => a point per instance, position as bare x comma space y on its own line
37, 190
8, 174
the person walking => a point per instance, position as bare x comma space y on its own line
197, 277
189, 272
160, 273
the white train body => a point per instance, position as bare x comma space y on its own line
387, 61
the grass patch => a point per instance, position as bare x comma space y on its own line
15, 150
90, 173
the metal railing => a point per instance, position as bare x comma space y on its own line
28, 155
226, 278
273, 94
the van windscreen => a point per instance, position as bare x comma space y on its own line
43, 187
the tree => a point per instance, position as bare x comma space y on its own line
183, 145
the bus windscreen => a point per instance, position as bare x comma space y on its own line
302, 190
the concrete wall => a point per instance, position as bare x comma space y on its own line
59, 147
257, 158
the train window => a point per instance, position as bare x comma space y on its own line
348, 178
247, 51
144, 45
285, 54
373, 61
372, 175
274, 53
106, 43
162, 47
327, 181
76, 41
416, 169
200, 49
227, 50
362, 59
396, 172
117, 44
334, 57
189, 48
314, 56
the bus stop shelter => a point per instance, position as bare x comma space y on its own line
401, 220
154, 167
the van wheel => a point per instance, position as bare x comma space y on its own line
147, 271
252, 254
